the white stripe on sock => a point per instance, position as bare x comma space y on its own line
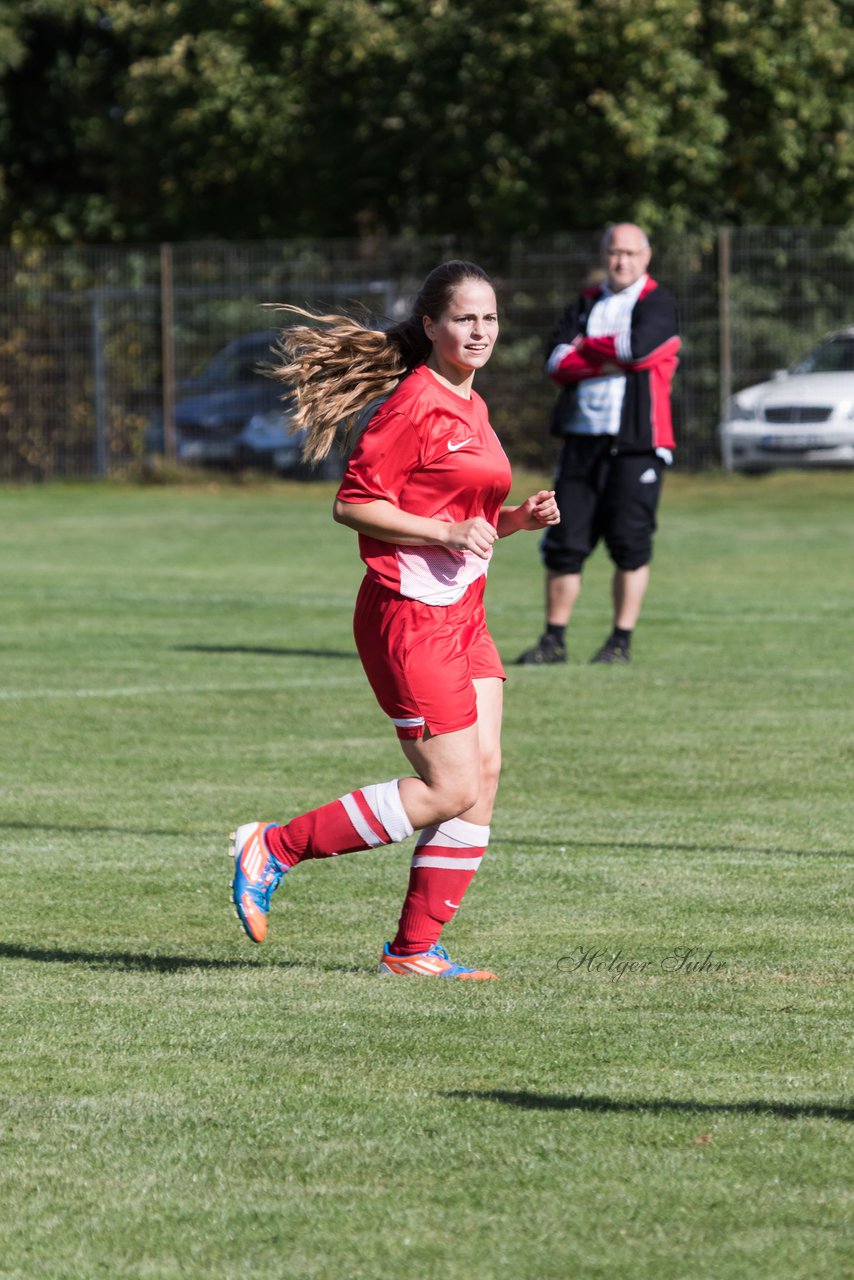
447, 864
456, 831
363, 828
384, 801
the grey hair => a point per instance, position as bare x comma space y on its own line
605, 242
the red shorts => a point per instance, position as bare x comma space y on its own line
421, 659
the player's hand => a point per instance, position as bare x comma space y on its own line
539, 510
475, 535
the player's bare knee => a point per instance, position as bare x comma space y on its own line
465, 800
458, 797
490, 776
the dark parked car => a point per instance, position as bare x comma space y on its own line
232, 415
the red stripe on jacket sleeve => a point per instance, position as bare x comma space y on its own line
575, 366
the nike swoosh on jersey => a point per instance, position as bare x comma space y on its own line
452, 447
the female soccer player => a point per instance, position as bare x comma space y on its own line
424, 489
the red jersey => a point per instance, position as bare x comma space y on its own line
431, 453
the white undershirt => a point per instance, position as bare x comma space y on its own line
599, 401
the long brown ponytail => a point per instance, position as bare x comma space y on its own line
336, 367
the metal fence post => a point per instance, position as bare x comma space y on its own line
724, 335
99, 380
167, 340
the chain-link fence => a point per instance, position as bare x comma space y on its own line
108, 355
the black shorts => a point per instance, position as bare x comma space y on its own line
603, 494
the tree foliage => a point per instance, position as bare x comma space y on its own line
247, 119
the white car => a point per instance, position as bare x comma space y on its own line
803, 417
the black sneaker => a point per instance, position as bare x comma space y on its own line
546, 650
612, 651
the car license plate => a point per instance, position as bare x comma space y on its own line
796, 443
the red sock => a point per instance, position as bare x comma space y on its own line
443, 866
362, 819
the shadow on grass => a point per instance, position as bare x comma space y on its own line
583, 1102
542, 845
546, 845
90, 829
128, 961
133, 962
264, 651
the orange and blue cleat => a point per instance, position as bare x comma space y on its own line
256, 877
435, 963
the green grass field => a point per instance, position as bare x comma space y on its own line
179, 1103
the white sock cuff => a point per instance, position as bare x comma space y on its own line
456, 832
384, 802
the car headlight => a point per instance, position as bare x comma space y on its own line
739, 412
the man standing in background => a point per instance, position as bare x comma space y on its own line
613, 353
